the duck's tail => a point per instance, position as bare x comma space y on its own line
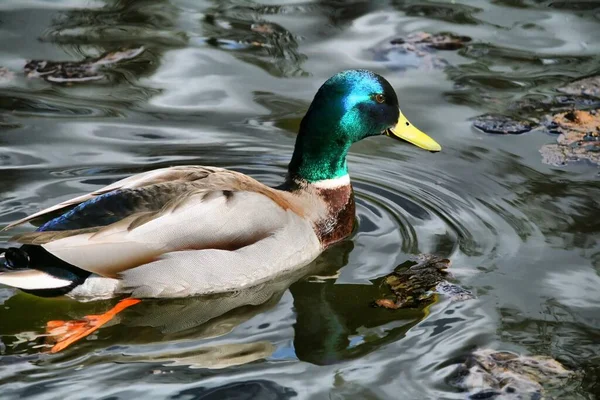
13, 258
33, 270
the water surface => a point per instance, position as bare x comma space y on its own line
226, 83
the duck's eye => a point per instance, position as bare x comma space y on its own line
380, 98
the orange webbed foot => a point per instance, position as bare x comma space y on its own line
65, 333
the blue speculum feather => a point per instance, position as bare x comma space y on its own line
99, 211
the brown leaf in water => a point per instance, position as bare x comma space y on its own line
387, 303
578, 140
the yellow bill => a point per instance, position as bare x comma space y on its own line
407, 131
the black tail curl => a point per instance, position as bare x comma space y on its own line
14, 258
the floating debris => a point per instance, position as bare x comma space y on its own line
263, 27
415, 50
574, 123
585, 87
77, 71
578, 130
536, 107
455, 292
228, 44
271, 46
502, 124
437, 41
578, 140
414, 286
584, 93
491, 374
240, 34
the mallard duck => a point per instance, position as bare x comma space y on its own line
194, 230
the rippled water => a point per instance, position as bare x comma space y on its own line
226, 83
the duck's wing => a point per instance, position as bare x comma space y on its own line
173, 175
221, 230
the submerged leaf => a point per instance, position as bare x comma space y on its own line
414, 286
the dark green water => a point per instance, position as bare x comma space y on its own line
522, 235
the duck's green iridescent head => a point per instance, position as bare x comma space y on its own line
350, 106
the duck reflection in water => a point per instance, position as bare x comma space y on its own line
327, 319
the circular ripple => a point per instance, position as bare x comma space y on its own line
427, 211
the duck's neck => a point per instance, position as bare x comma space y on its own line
319, 167
319, 154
